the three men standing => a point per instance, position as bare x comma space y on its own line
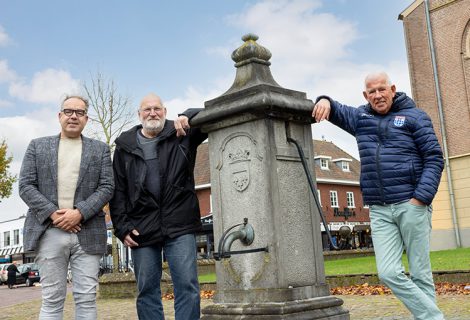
66, 180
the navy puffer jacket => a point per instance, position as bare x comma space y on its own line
400, 155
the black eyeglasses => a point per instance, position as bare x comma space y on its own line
78, 112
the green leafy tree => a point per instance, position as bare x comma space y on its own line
6, 178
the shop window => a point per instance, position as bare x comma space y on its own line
6, 238
16, 236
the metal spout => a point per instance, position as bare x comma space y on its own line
246, 235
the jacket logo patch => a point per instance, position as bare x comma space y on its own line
399, 121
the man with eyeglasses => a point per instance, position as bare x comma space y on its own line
155, 209
66, 180
401, 167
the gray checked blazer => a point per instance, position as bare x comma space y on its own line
38, 189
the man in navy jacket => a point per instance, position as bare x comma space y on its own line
401, 166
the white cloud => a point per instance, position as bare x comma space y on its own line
18, 132
311, 49
345, 81
13, 207
4, 38
304, 42
5, 104
222, 51
191, 99
47, 86
6, 74
311, 54
195, 98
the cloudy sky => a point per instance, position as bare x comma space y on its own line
181, 51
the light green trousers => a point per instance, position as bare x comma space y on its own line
400, 226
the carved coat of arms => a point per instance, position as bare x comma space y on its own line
239, 167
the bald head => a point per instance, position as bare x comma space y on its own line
151, 97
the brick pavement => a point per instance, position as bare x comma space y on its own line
21, 293
455, 307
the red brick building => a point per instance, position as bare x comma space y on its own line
337, 175
439, 31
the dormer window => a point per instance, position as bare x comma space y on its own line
323, 162
343, 163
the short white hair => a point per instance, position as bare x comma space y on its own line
375, 75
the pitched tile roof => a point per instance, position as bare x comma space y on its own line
335, 172
320, 148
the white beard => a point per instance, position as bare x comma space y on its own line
154, 125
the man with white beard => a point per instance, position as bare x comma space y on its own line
155, 208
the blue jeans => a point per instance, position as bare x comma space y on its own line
181, 256
57, 249
400, 226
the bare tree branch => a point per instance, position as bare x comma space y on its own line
109, 111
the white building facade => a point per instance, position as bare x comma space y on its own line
11, 241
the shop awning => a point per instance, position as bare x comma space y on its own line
354, 226
10, 251
17, 250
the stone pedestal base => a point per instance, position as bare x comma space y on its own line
117, 286
316, 308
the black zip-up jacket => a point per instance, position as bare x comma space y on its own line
176, 212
